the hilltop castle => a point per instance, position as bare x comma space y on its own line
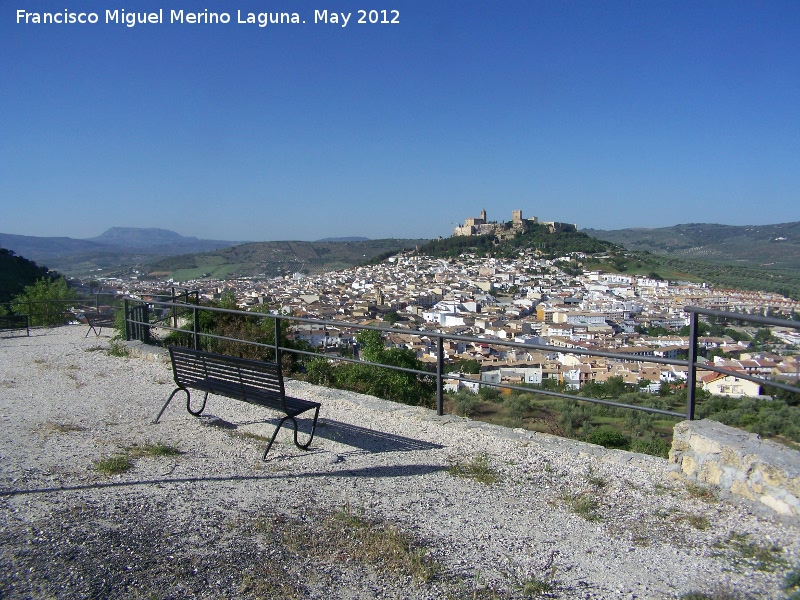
480, 226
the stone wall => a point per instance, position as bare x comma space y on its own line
740, 462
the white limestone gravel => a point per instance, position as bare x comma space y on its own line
192, 525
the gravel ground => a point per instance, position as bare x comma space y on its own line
374, 510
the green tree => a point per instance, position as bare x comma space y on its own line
465, 403
469, 365
391, 317
47, 299
400, 386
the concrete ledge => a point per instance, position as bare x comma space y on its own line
739, 462
146, 351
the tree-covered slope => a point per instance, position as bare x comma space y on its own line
271, 259
775, 246
17, 272
507, 242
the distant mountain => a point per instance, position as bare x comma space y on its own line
119, 246
772, 246
344, 239
155, 240
44, 248
270, 259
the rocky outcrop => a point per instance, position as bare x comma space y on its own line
740, 462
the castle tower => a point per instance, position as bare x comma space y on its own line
516, 217
483, 215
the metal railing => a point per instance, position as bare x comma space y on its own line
35, 309
138, 323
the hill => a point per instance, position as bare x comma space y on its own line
272, 259
773, 246
16, 273
115, 248
508, 242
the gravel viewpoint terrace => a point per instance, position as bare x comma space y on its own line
391, 501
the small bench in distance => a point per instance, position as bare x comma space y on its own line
253, 381
12, 322
96, 321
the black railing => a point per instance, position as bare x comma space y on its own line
44, 309
691, 381
138, 323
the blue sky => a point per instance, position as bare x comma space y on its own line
608, 114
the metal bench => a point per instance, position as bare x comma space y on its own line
253, 381
96, 321
9, 322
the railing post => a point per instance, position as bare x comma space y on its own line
127, 325
277, 341
174, 311
195, 325
691, 376
146, 326
439, 376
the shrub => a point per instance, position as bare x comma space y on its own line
517, 407
466, 403
490, 394
49, 300
609, 439
653, 445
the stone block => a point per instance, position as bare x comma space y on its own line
689, 466
779, 506
710, 473
771, 475
704, 445
732, 459
741, 489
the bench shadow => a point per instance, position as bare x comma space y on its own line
408, 470
362, 439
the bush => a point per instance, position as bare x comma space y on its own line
652, 445
517, 407
319, 371
609, 439
49, 302
466, 403
490, 394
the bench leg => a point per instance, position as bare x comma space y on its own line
296, 443
311, 437
163, 408
196, 413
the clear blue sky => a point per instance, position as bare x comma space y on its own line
609, 114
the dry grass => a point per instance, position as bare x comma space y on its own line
477, 467
157, 449
751, 554
585, 505
51, 428
123, 461
701, 492
342, 537
113, 465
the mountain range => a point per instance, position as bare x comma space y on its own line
773, 250
114, 247
771, 246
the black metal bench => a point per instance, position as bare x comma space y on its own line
253, 381
96, 321
9, 322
